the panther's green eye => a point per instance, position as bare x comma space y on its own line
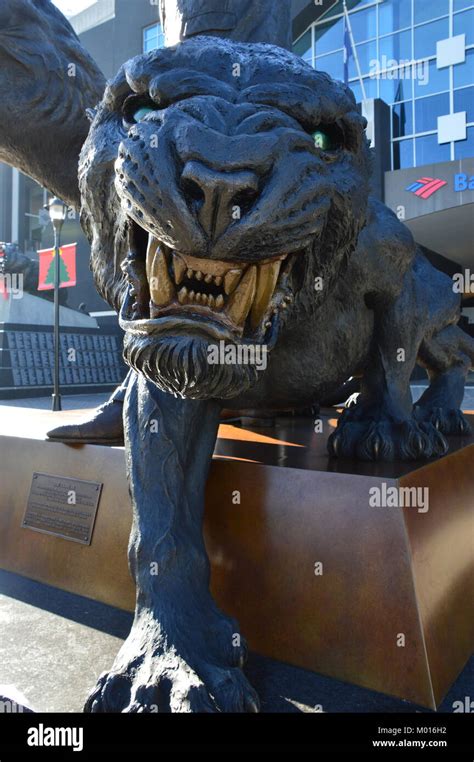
141, 113
323, 140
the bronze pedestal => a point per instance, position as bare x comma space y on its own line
317, 576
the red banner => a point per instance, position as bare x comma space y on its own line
67, 267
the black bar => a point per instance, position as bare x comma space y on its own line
445, 736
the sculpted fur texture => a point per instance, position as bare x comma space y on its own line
224, 190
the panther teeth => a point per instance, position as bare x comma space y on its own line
231, 280
179, 268
238, 292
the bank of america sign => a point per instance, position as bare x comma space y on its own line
426, 186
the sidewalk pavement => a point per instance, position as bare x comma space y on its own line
55, 645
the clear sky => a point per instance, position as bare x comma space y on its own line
70, 7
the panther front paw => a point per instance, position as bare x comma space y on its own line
385, 440
166, 682
198, 670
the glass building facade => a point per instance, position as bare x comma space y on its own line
400, 62
153, 37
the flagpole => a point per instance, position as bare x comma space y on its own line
356, 57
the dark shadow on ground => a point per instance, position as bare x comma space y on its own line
281, 687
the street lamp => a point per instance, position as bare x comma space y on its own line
57, 212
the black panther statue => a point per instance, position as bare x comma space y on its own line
225, 192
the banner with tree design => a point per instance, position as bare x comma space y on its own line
67, 267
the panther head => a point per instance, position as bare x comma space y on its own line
218, 181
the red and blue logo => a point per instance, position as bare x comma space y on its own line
426, 186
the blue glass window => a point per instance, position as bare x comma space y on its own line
366, 53
427, 111
463, 23
363, 25
427, 35
328, 37
428, 150
153, 37
464, 101
370, 86
393, 15
395, 46
464, 72
460, 4
332, 64
402, 119
464, 149
430, 9
403, 154
429, 79
397, 89
302, 47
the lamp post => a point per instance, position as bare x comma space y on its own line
57, 212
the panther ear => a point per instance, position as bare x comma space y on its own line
48, 81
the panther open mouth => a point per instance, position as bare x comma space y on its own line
235, 300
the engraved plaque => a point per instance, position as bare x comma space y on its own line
62, 506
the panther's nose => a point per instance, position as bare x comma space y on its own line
219, 197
